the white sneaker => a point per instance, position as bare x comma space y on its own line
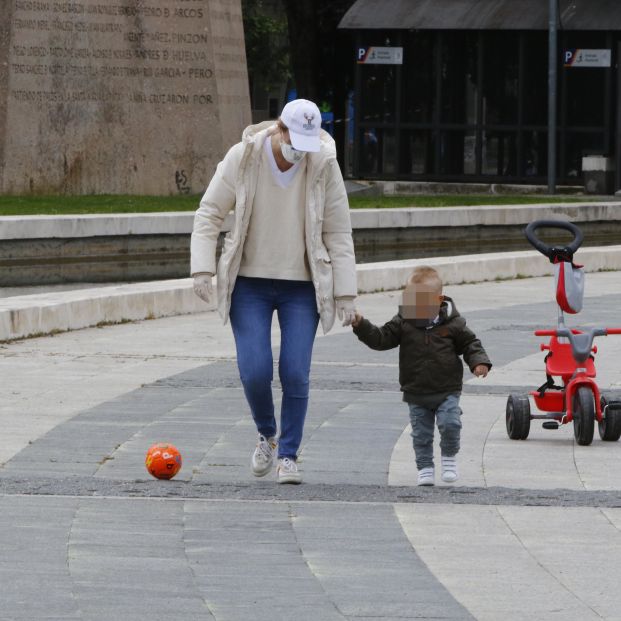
263, 456
287, 471
449, 469
426, 476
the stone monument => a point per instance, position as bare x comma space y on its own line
119, 96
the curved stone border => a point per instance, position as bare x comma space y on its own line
472, 268
174, 222
48, 313
36, 315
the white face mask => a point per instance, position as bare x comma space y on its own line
293, 156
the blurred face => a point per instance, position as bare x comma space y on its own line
420, 301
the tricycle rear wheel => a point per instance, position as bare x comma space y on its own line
610, 426
584, 415
518, 417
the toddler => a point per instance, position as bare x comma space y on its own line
431, 335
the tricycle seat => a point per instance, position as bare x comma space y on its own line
560, 361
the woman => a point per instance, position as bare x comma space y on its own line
290, 250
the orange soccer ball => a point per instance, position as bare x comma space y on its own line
163, 461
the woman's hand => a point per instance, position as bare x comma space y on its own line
346, 310
202, 286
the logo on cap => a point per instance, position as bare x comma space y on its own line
309, 117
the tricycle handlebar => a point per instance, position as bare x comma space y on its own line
552, 332
606, 331
554, 253
580, 341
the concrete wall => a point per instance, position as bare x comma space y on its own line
120, 98
46, 313
90, 248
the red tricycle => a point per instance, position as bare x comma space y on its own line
570, 356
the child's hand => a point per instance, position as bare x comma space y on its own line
357, 319
481, 370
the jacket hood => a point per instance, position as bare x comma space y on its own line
256, 134
448, 310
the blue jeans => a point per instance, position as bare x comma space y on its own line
448, 417
253, 303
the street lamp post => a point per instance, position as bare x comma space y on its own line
552, 64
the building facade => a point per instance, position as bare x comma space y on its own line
458, 89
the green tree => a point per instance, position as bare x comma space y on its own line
267, 46
296, 43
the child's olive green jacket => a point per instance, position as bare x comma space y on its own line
429, 360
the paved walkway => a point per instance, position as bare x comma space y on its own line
531, 530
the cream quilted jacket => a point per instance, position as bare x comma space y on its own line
329, 243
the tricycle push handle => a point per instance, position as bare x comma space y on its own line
606, 332
554, 253
554, 332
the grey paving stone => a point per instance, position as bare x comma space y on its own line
130, 556
367, 576
34, 580
255, 543
218, 543
316, 612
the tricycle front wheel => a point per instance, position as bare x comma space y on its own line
584, 415
518, 417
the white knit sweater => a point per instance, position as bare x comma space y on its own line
274, 246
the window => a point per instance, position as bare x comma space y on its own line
417, 152
584, 98
535, 154
499, 154
473, 105
377, 152
378, 93
459, 81
577, 145
418, 91
457, 153
535, 77
500, 78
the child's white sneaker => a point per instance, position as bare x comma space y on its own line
449, 469
426, 476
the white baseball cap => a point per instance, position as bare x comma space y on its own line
303, 119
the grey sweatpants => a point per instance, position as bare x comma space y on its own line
448, 417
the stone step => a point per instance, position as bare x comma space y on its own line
47, 313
